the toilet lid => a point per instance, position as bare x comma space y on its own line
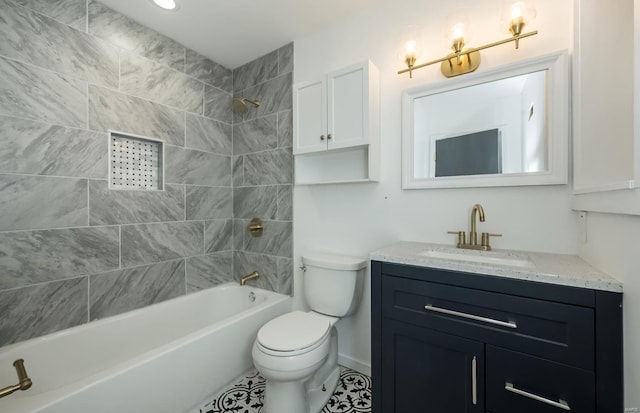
294, 331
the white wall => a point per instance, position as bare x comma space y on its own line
612, 246
359, 218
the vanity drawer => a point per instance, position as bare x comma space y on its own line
559, 332
517, 382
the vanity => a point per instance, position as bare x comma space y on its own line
493, 331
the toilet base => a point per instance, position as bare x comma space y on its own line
318, 397
285, 396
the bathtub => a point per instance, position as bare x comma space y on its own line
167, 357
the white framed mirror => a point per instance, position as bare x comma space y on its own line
504, 127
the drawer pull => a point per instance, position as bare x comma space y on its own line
561, 404
510, 324
474, 382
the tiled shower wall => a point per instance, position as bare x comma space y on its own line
263, 170
72, 250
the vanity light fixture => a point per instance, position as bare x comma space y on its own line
466, 60
166, 4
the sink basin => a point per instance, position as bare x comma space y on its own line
482, 257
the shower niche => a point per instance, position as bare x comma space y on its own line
135, 162
336, 127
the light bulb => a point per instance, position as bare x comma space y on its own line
458, 31
166, 4
410, 49
517, 13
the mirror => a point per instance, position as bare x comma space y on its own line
506, 127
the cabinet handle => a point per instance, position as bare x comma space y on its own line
329, 136
561, 404
474, 382
510, 324
321, 137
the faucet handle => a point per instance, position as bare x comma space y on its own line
462, 237
485, 239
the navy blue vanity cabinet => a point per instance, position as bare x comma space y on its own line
452, 342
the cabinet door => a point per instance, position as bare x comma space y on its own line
310, 120
426, 371
348, 115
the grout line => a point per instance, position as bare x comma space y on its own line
119, 246
88, 203
86, 10
88, 298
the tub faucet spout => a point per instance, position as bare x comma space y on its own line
24, 382
254, 275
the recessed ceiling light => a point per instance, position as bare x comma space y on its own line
166, 4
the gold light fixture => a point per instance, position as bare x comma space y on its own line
461, 61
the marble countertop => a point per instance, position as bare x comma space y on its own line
560, 269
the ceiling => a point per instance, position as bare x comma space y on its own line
234, 32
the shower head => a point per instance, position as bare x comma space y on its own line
240, 105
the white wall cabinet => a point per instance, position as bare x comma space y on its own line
606, 132
336, 127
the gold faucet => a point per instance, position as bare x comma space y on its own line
254, 275
24, 382
473, 233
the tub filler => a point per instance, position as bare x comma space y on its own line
167, 357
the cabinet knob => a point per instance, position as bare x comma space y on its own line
329, 136
321, 137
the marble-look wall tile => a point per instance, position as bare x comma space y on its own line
38, 202
239, 232
150, 80
237, 166
35, 39
217, 104
285, 276
285, 129
71, 12
186, 166
207, 271
285, 203
285, 59
124, 32
208, 135
277, 239
205, 202
29, 147
208, 71
150, 243
255, 201
32, 93
218, 235
269, 167
108, 206
109, 110
255, 72
31, 257
245, 263
255, 135
41, 309
119, 291
274, 96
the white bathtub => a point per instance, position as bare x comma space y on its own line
167, 357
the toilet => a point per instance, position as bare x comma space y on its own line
297, 353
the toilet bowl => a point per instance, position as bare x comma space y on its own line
297, 353
291, 350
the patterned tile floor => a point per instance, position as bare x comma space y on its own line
352, 395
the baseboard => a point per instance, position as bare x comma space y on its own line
354, 364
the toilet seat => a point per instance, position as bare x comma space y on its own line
294, 333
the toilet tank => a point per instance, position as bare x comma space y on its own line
333, 283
